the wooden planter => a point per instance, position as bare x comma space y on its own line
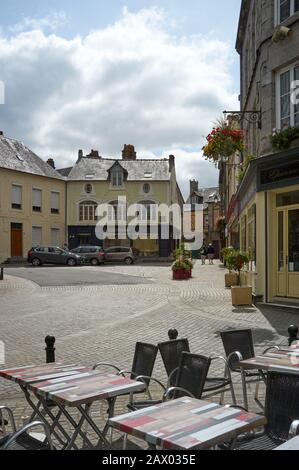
241, 295
180, 275
231, 279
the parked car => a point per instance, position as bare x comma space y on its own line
52, 255
90, 254
121, 253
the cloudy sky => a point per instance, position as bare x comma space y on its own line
99, 74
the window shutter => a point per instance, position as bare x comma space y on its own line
36, 198
55, 235
54, 200
16, 196
36, 236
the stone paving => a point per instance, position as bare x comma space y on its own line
102, 323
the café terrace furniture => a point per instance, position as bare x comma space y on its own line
142, 367
292, 444
280, 360
76, 390
281, 413
186, 423
171, 353
238, 345
190, 380
21, 439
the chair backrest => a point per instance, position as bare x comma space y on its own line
238, 340
282, 403
192, 374
171, 352
144, 360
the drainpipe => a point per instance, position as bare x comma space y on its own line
266, 250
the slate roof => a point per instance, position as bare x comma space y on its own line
65, 171
15, 156
138, 170
208, 194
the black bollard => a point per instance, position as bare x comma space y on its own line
50, 350
293, 334
173, 334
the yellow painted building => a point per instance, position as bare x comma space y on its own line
32, 201
94, 181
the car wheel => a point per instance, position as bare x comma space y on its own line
94, 262
71, 262
128, 261
36, 262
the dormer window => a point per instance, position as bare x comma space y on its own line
117, 177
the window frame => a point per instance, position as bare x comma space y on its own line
278, 20
37, 209
20, 206
55, 211
281, 72
86, 213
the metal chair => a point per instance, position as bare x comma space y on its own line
142, 367
190, 379
238, 346
281, 411
21, 439
171, 352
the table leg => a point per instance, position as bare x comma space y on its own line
100, 434
77, 426
244, 387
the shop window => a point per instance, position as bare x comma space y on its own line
251, 228
287, 199
243, 233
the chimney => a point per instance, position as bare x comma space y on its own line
171, 163
129, 153
80, 155
193, 186
51, 162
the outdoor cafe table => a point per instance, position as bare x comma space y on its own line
286, 359
71, 386
187, 424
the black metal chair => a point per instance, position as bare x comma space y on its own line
281, 411
238, 346
190, 379
142, 366
171, 352
21, 439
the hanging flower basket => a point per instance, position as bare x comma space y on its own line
223, 142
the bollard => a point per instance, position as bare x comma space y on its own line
50, 350
173, 334
1, 273
293, 334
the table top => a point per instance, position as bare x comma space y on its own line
29, 374
187, 423
85, 387
284, 360
293, 444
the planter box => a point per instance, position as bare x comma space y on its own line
231, 279
241, 295
180, 275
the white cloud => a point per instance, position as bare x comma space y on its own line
51, 22
131, 82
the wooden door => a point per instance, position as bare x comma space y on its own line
16, 240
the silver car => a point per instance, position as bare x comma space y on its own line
120, 254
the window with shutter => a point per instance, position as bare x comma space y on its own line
55, 236
55, 203
16, 197
36, 200
36, 236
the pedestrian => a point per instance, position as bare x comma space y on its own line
203, 253
211, 253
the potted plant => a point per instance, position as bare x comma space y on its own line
180, 270
241, 295
231, 278
182, 267
286, 138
